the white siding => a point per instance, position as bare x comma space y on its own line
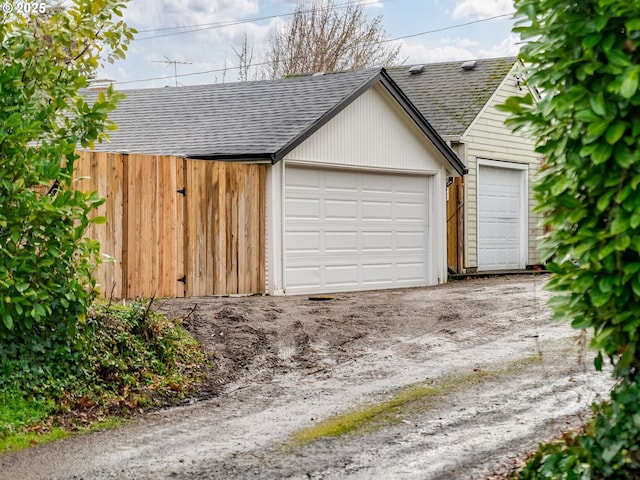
488, 138
373, 132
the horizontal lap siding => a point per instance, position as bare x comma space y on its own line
488, 138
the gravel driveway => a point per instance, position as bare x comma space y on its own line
512, 379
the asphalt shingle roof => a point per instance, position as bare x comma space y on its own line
234, 119
449, 97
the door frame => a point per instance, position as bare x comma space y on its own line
524, 205
276, 192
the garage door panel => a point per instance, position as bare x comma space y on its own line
376, 273
378, 184
302, 208
340, 210
376, 210
500, 218
377, 241
367, 236
303, 242
336, 241
303, 277
297, 180
410, 272
341, 275
410, 212
411, 241
340, 184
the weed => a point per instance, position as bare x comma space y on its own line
410, 400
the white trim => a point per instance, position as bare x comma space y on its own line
283, 238
437, 237
501, 164
363, 168
524, 205
275, 226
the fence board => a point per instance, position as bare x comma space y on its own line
455, 225
103, 173
224, 234
214, 236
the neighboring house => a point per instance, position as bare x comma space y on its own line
312, 185
497, 230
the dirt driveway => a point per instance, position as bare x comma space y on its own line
286, 363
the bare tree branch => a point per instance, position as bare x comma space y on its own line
321, 37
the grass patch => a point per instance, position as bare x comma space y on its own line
123, 360
410, 400
36, 434
17, 412
20, 441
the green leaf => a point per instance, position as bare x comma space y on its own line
630, 83
611, 451
602, 153
615, 132
624, 156
591, 41
99, 220
632, 24
597, 362
595, 129
600, 298
617, 57
8, 321
606, 284
598, 104
587, 115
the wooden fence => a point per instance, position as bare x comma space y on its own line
455, 225
177, 227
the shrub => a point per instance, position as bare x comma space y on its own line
608, 448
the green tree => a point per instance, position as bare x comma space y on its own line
583, 58
45, 263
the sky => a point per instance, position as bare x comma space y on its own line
191, 42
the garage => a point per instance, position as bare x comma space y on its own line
351, 230
502, 215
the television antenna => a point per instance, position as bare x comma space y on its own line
175, 64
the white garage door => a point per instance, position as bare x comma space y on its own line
500, 218
355, 231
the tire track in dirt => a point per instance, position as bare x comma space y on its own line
281, 364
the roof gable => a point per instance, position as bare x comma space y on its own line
245, 120
449, 96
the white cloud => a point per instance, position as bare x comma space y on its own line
458, 42
477, 9
421, 53
509, 47
204, 50
174, 13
